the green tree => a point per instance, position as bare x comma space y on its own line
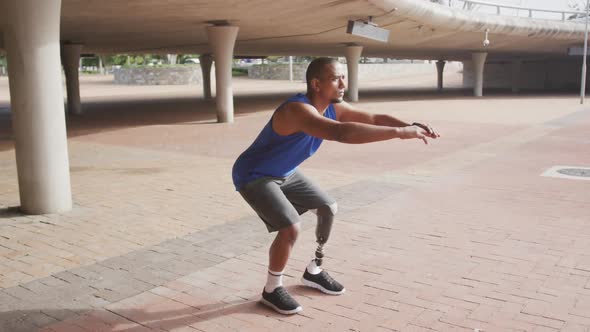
3, 64
119, 60
182, 58
273, 59
90, 61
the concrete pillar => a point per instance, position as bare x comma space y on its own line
222, 39
291, 68
206, 60
440, 68
70, 55
31, 36
100, 65
172, 58
353, 55
516, 71
479, 60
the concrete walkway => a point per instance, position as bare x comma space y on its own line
459, 235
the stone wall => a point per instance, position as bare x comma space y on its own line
537, 75
156, 75
277, 72
367, 72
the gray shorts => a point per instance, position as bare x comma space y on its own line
279, 201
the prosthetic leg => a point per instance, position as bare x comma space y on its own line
323, 228
314, 276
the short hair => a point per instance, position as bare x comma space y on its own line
314, 70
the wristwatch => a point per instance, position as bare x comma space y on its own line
421, 126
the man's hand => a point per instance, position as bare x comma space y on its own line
413, 132
429, 131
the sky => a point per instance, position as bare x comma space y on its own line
537, 4
545, 4
548, 4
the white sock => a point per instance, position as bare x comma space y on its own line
274, 280
312, 267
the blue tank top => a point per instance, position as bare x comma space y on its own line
274, 155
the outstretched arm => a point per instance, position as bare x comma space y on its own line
299, 117
347, 113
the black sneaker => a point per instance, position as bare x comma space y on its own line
323, 282
281, 301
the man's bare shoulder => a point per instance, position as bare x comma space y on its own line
290, 116
295, 108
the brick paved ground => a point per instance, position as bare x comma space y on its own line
460, 235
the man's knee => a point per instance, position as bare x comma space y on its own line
290, 233
327, 210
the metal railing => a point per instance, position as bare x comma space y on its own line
501, 9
